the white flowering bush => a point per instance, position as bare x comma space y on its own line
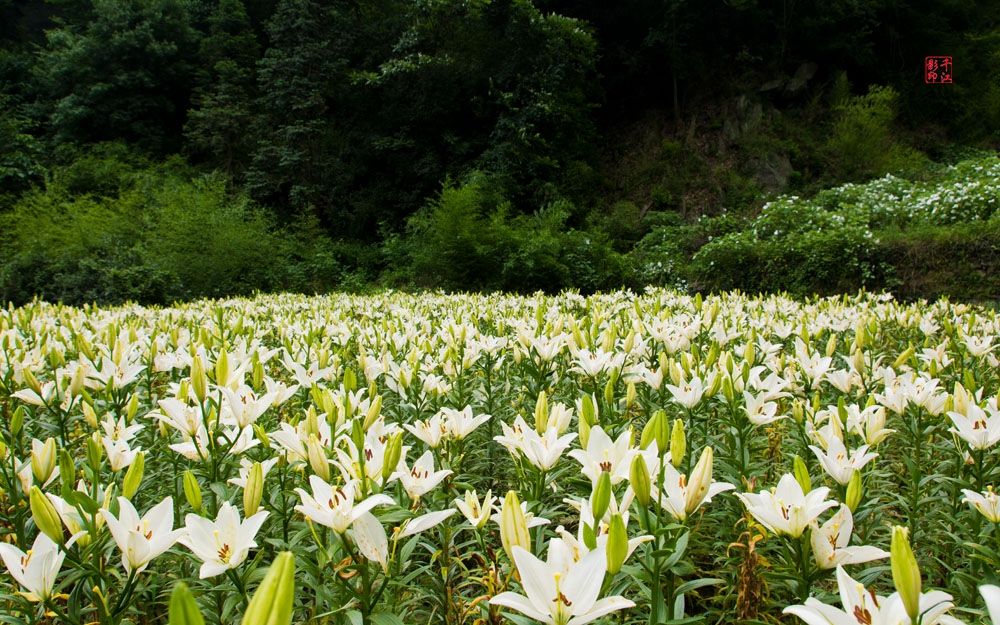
486, 459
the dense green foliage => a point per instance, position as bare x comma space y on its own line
919, 238
492, 144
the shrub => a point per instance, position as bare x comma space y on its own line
466, 238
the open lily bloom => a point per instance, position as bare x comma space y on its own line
862, 607
991, 595
603, 454
560, 591
335, 507
421, 478
36, 570
830, 542
986, 502
787, 510
978, 427
222, 544
142, 539
839, 463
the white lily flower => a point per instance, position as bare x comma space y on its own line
991, 595
421, 478
335, 507
244, 406
838, 463
787, 510
461, 423
142, 539
603, 455
431, 432
830, 542
978, 427
679, 495
688, 394
987, 503
862, 607
222, 544
759, 410
119, 454
425, 522
35, 571
476, 513
560, 591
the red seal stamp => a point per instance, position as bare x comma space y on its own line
938, 70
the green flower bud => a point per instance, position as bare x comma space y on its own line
374, 411
133, 477
17, 421
393, 452
317, 457
609, 392
541, 413
638, 477
678, 443
272, 604
183, 608
588, 411
656, 429
630, 393
617, 547
600, 497
45, 516
854, 491
513, 525
43, 460
801, 472
254, 489
192, 491
905, 571
222, 368
199, 380
67, 472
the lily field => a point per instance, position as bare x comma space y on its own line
484, 459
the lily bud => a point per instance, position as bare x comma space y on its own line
617, 547
261, 435
222, 368
678, 443
43, 460
374, 411
67, 472
541, 413
272, 604
76, 385
600, 497
638, 478
609, 392
588, 411
183, 608
132, 408
90, 416
630, 394
854, 491
905, 571
350, 380
45, 516
17, 421
656, 429
199, 380
254, 490
584, 432
727, 389
393, 452
831, 345
133, 477
902, 358
513, 525
801, 472
798, 411
192, 491
700, 481
317, 458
